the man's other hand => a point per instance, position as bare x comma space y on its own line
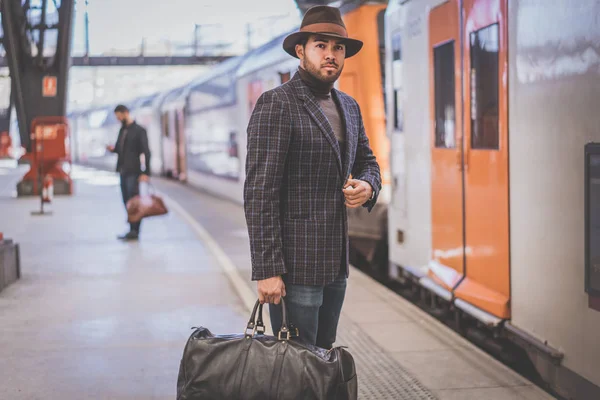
357, 192
144, 178
110, 148
271, 290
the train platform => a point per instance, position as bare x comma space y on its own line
96, 318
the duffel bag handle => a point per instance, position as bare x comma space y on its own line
259, 326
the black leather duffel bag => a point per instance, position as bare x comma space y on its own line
253, 365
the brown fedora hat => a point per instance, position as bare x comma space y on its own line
326, 21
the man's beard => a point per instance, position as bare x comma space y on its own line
320, 74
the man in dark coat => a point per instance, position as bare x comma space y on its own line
131, 143
304, 140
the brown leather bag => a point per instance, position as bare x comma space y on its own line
145, 205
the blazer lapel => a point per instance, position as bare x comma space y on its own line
314, 110
350, 134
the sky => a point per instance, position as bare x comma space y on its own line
119, 25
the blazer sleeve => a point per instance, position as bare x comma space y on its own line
269, 135
365, 166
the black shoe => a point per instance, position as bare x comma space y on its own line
132, 235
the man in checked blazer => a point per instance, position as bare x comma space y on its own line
305, 139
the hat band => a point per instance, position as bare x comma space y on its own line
325, 27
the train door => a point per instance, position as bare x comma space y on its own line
473, 242
180, 143
446, 146
164, 127
487, 284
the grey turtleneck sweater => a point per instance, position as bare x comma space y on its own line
322, 92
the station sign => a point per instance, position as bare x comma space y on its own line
49, 86
46, 132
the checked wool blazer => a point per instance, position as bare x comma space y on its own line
293, 200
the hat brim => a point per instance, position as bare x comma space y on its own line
353, 46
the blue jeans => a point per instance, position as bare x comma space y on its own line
130, 188
314, 310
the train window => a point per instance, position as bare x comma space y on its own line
484, 88
217, 92
397, 80
443, 59
165, 124
396, 47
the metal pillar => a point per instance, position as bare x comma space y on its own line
37, 40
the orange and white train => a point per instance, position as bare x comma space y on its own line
490, 106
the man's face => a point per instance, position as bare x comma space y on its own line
121, 116
323, 57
